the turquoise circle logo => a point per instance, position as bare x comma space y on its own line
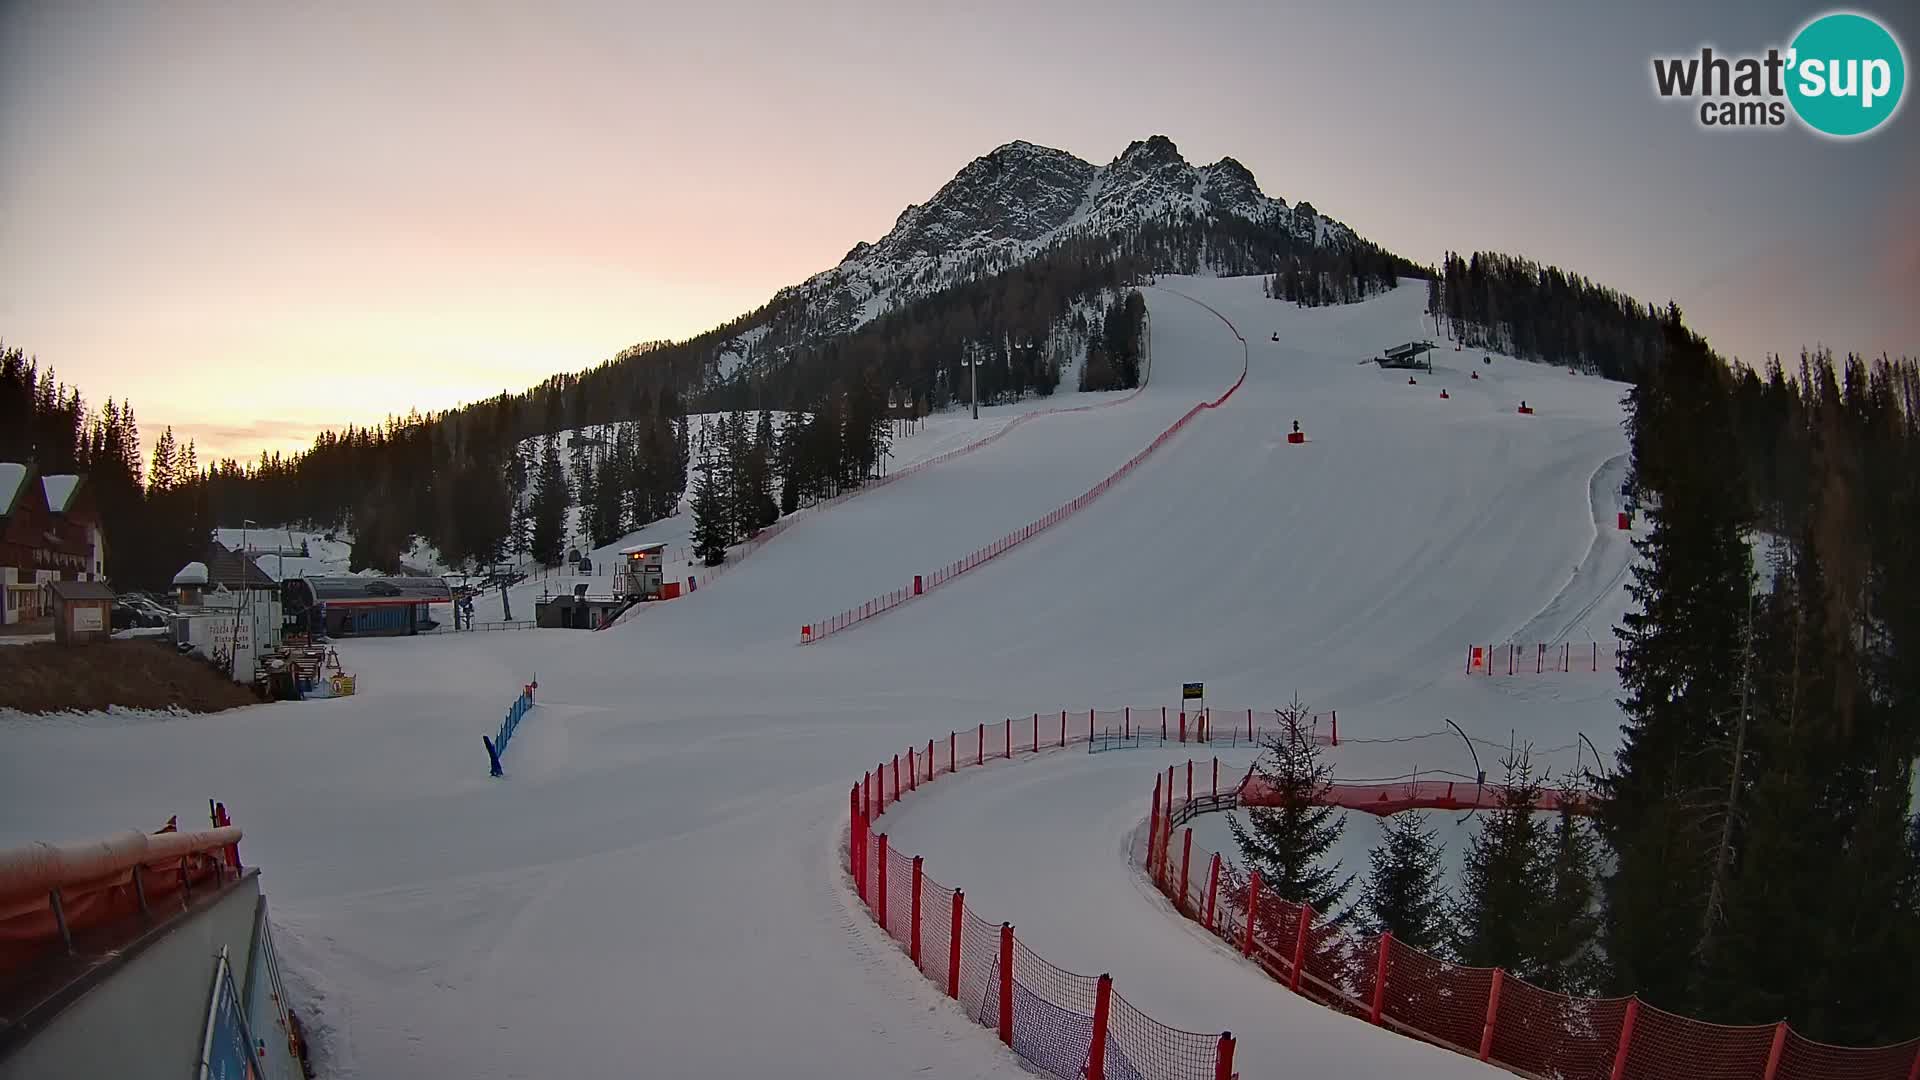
1847, 74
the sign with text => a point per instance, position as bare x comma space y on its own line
1192, 691
227, 1053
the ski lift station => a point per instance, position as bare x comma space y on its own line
1408, 356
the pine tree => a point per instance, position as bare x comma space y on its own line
1403, 893
551, 501
1289, 842
161, 477
587, 485
1570, 960
1504, 886
1681, 668
709, 535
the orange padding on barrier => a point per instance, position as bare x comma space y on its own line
39, 868
29, 930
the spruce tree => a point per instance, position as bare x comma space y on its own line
1681, 670
1504, 885
709, 535
1570, 960
551, 501
1289, 842
1403, 892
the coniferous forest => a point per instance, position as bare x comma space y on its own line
1756, 854
1516, 306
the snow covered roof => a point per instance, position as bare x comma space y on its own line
60, 490
12, 477
194, 573
257, 539
282, 567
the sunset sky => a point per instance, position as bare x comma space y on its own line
256, 221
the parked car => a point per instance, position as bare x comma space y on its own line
133, 609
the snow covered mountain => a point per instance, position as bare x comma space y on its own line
1009, 206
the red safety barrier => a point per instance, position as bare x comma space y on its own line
1488, 1014
924, 583
1540, 658
1062, 1023
49, 893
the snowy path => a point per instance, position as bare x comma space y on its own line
1056, 866
652, 890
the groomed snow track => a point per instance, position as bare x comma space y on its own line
654, 885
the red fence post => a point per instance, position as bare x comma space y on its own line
882, 853
1300, 947
913, 949
1153, 826
1216, 776
1097, 1050
913, 772
896, 777
1223, 1058
1189, 781
1253, 911
980, 753
1626, 1039
853, 830
1336, 727
1186, 859
1063, 726
1163, 723
1183, 725
953, 945
1006, 983
1036, 732
1213, 887
1773, 1052
1493, 1015
953, 759
932, 768
1380, 974
1914, 1073
1126, 721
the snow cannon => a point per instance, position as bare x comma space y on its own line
1296, 436
1526, 409
1443, 394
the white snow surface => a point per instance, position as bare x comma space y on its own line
59, 489
12, 474
654, 888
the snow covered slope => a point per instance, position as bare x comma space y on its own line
1008, 206
653, 888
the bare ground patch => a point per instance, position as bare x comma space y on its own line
42, 677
